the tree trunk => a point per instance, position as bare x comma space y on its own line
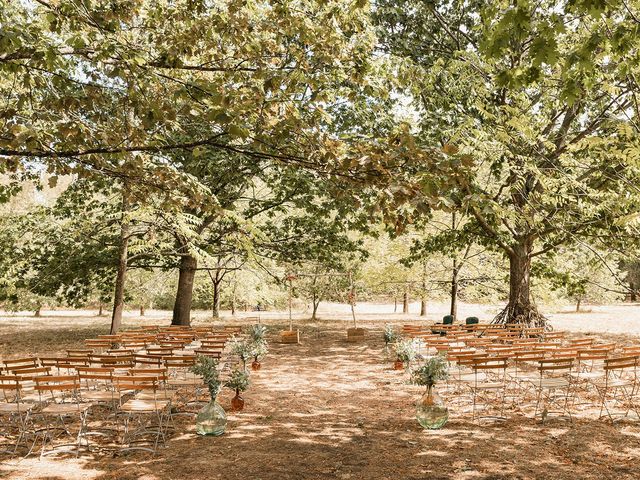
519, 281
142, 310
578, 304
520, 309
314, 305
633, 294
184, 294
100, 310
405, 302
216, 300
121, 276
38, 311
233, 299
423, 300
453, 310
395, 304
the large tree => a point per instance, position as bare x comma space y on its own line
534, 107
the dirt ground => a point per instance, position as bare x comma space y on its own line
327, 409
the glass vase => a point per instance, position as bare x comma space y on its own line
211, 420
431, 411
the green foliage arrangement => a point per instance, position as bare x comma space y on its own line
389, 335
207, 368
434, 370
238, 381
259, 350
405, 350
257, 333
243, 349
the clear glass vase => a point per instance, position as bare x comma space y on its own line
431, 411
211, 420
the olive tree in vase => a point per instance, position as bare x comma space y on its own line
431, 411
239, 382
212, 419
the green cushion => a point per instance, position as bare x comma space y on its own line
447, 320
472, 320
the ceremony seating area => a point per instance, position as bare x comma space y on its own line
120, 392
499, 370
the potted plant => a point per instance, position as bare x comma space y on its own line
212, 419
431, 411
259, 350
389, 336
258, 333
259, 344
243, 349
406, 351
238, 381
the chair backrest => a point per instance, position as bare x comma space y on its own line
447, 320
208, 352
490, 363
160, 373
179, 361
121, 361
136, 382
95, 373
20, 363
528, 356
31, 373
148, 359
556, 366
10, 387
621, 363
581, 341
79, 353
472, 320
119, 352
554, 335
60, 387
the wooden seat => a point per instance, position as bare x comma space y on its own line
138, 405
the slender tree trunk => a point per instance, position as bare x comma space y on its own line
314, 305
395, 304
121, 276
184, 294
100, 310
216, 300
233, 298
423, 300
405, 302
578, 304
352, 299
453, 310
633, 294
38, 311
290, 305
142, 310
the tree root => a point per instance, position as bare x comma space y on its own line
523, 317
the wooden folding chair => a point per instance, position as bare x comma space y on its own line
96, 386
60, 394
495, 382
620, 379
157, 408
553, 386
16, 412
